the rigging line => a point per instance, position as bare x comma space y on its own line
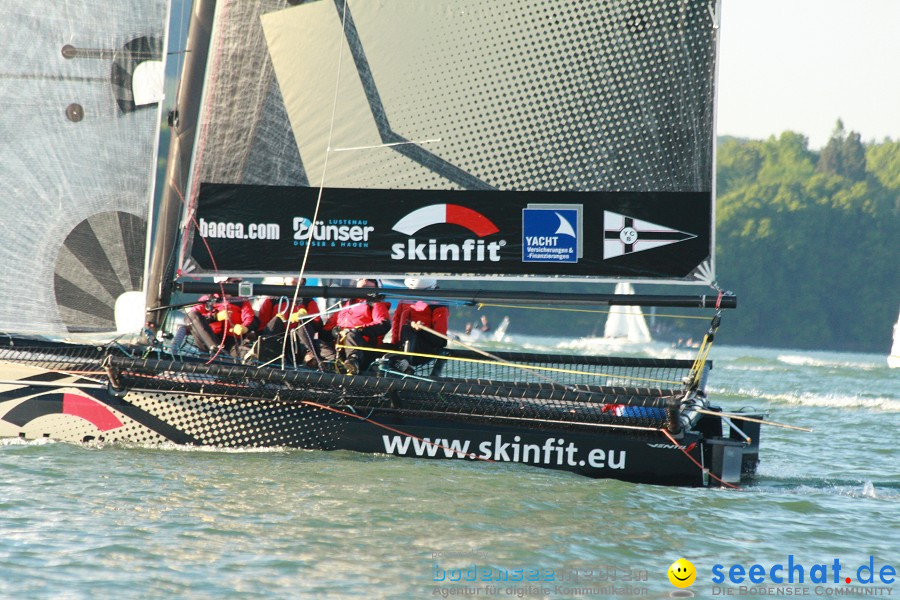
471, 455
514, 365
59, 385
385, 145
181, 39
419, 326
193, 218
693, 460
582, 310
337, 84
741, 417
579, 423
703, 353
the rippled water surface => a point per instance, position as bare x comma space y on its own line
129, 522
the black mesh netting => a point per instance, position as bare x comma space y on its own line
547, 389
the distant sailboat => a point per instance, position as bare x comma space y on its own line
894, 357
625, 328
500, 333
626, 323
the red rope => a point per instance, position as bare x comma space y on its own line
693, 460
389, 428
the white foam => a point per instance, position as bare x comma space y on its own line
832, 400
17, 441
801, 360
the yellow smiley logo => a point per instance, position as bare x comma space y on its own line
682, 573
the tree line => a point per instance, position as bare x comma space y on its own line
810, 240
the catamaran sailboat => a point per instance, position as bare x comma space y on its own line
513, 140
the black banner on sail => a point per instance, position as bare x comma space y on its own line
635, 235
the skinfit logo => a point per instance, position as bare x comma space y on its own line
468, 250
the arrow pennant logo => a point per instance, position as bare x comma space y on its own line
627, 235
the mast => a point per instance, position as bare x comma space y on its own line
183, 122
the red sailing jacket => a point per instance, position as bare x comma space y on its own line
434, 316
357, 313
239, 311
269, 308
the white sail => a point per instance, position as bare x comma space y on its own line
626, 323
80, 124
894, 358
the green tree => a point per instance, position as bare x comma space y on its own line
843, 155
811, 251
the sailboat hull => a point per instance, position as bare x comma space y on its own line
81, 407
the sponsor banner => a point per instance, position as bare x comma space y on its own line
654, 235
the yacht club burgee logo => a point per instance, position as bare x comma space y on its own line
626, 235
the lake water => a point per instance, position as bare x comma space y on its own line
91, 522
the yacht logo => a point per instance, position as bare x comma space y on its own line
548, 235
627, 235
470, 250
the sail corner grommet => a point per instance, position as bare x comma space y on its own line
75, 112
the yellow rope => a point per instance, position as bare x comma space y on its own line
516, 365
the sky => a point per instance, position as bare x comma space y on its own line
800, 65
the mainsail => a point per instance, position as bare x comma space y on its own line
506, 139
80, 85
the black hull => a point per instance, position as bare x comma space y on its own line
239, 406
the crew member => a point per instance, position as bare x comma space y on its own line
361, 322
418, 341
220, 322
303, 323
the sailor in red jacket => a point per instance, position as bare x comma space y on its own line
275, 321
409, 339
360, 322
221, 322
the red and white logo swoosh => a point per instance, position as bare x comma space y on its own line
454, 214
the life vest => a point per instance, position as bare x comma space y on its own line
433, 316
237, 311
270, 307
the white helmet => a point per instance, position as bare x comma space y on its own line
416, 283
